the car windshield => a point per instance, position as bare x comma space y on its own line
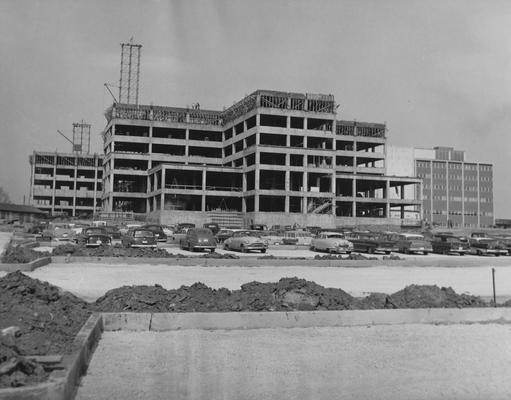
335, 236
146, 233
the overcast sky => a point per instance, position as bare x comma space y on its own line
437, 72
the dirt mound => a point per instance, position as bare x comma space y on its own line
135, 299
48, 318
109, 251
287, 294
431, 296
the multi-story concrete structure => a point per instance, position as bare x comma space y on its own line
68, 184
455, 192
272, 158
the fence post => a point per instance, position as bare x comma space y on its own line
494, 294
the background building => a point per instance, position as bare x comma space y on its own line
454, 192
69, 184
272, 158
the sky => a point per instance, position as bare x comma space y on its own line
438, 73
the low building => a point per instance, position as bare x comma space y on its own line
66, 184
10, 213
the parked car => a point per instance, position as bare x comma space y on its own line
183, 227
139, 237
113, 231
86, 232
272, 237
368, 242
505, 243
413, 243
301, 238
224, 234
486, 246
58, 231
258, 227
246, 241
449, 244
158, 232
198, 239
332, 242
96, 240
213, 226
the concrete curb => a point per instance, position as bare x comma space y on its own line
254, 262
62, 384
40, 262
301, 319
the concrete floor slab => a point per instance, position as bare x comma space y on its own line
373, 362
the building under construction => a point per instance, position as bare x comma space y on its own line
273, 158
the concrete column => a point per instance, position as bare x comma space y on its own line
74, 184
447, 190
150, 139
32, 178
162, 195
304, 193
244, 189
203, 205
287, 188
387, 191
187, 142
54, 183
96, 164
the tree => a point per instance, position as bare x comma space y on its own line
4, 196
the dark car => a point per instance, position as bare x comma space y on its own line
198, 239
158, 232
367, 242
258, 227
481, 245
113, 231
96, 240
213, 226
449, 244
139, 237
86, 232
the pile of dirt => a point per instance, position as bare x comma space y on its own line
431, 296
16, 370
351, 256
285, 295
19, 254
48, 318
110, 251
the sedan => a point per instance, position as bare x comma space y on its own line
198, 239
139, 237
246, 241
332, 242
97, 240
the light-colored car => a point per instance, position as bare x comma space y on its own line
246, 241
300, 238
332, 242
59, 231
412, 243
272, 237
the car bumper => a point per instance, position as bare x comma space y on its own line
341, 250
144, 245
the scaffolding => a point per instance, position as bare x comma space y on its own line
130, 73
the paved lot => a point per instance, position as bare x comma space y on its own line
91, 280
378, 362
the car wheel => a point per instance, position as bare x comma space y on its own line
243, 249
370, 250
348, 252
263, 251
312, 248
226, 247
330, 251
425, 253
387, 252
